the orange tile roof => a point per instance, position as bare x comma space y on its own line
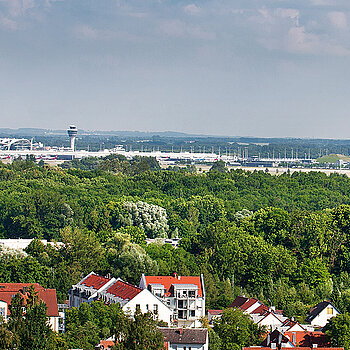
124, 290
106, 344
16, 287
168, 281
48, 296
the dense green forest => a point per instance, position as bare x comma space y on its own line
284, 239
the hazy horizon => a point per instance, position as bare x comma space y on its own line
214, 67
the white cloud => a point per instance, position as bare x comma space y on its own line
289, 13
323, 2
86, 32
299, 41
338, 19
179, 29
192, 9
8, 23
18, 7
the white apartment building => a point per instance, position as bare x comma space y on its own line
112, 291
184, 295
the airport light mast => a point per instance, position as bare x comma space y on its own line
72, 133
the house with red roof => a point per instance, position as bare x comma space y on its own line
48, 296
296, 338
184, 295
214, 315
112, 291
259, 312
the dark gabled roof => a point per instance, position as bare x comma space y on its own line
185, 335
316, 310
239, 301
274, 338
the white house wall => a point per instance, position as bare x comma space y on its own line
145, 298
187, 347
53, 321
3, 308
271, 321
322, 318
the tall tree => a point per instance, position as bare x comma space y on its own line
236, 329
142, 334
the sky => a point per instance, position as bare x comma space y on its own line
269, 68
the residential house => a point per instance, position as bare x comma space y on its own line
214, 315
185, 338
185, 295
112, 291
273, 346
319, 315
295, 338
106, 344
48, 296
261, 314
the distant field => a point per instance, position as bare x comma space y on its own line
333, 158
273, 171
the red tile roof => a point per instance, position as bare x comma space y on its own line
261, 309
124, 290
16, 287
305, 338
95, 281
48, 296
215, 312
248, 304
168, 281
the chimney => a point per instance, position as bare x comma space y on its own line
175, 274
181, 331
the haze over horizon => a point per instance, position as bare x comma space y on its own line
215, 67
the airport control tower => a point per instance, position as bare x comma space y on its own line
72, 133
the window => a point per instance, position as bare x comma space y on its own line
192, 294
193, 313
182, 315
2, 311
155, 309
329, 310
147, 307
138, 308
294, 338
